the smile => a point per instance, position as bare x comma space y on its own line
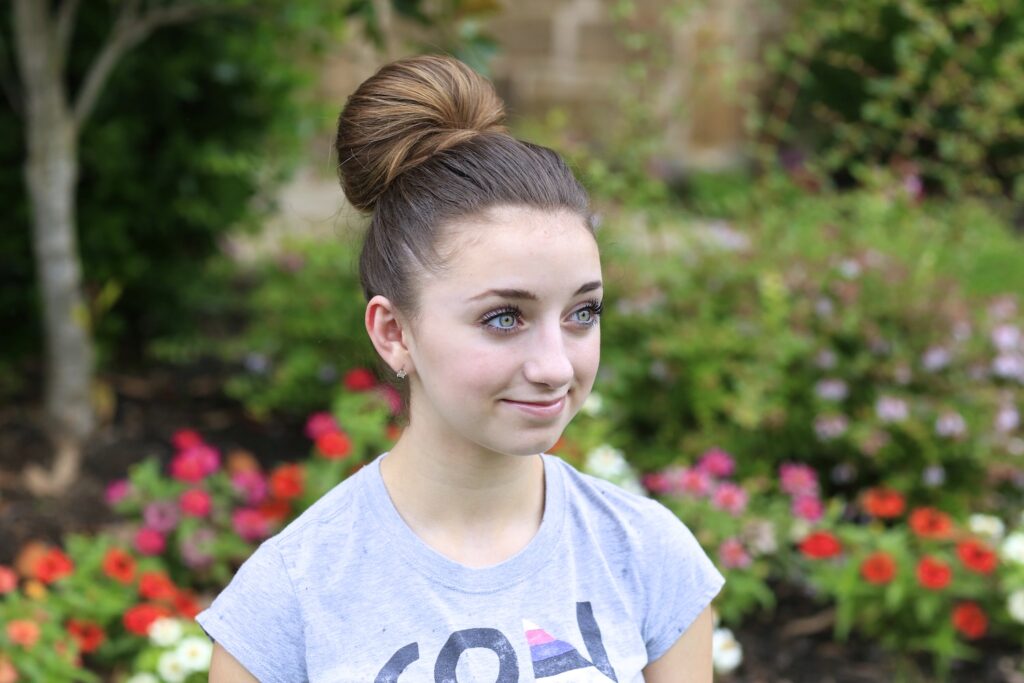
546, 409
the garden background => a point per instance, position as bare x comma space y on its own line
813, 344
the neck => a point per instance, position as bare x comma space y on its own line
465, 501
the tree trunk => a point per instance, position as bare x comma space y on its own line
51, 170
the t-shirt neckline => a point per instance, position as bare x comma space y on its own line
456, 575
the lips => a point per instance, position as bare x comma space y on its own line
539, 403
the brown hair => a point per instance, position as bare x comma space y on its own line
421, 144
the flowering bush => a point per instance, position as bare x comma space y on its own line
178, 651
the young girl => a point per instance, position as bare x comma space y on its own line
466, 553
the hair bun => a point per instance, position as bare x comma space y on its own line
404, 114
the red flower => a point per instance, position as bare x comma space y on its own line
970, 620
883, 503
156, 586
275, 510
88, 634
976, 556
878, 568
334, 445
119, 565
186, 605
820, 545
359, 379
53, 565
184, 439
933, 574
138, 619
931, 523
286, 482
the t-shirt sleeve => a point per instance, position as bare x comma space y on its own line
683, 582
256, 618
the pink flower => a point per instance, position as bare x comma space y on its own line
195, 503
195, 463
730, 497
8, 579
798, 479
319, 424
251, 484
150, 541
250, 524
808, 507
184, 439
716, 463
689, 480
393, 398
117, 491
657, 482
733, 555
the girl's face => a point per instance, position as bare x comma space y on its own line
512, 320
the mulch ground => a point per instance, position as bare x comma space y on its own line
155, 401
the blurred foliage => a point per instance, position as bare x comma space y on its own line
193, 131
303, 328
721, 333
934, 90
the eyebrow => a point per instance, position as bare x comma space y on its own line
523, 294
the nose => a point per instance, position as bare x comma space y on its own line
548, 361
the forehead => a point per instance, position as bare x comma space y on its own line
548, 252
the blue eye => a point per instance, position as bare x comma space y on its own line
508, 314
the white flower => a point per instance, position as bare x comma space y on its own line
1015, 605
935, 358
195, 653
1013, 547
726, 652
988, 526
143, 678
950, 425
849, 268
799, 530
1008, 366
171, 668
1007, 419
165, 631
606, 462
1006, 337
891, 409
831, 389
593, 405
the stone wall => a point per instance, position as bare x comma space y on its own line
569, 53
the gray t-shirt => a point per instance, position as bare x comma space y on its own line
347, 592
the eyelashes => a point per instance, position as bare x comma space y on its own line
594, 307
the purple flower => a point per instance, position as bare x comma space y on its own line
251, 484
829, 427
826, 359
933, 475
161, 515
196, 548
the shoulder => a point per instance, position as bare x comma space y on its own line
639, 522
326, 523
